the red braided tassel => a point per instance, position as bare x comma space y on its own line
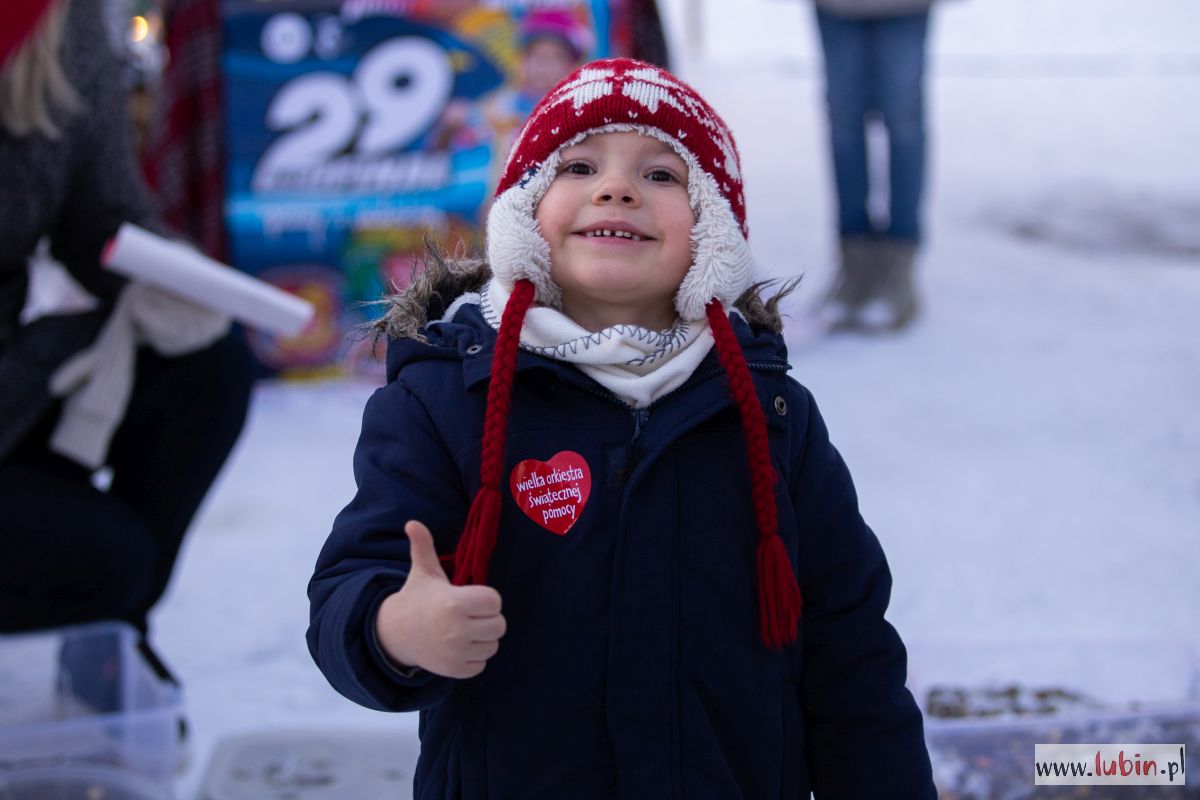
779, 600
478, 540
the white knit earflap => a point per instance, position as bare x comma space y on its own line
516, 248
722, 264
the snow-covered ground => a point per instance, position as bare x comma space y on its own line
1029, 453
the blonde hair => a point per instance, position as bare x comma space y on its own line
34, 89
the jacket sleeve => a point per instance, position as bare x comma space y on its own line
403, 471
865, 737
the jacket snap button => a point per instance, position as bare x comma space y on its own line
780, 406
473, 349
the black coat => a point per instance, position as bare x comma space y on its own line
632, 666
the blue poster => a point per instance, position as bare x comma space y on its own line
358, 129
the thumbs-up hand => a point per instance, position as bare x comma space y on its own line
431, 623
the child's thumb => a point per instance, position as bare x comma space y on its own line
421, 551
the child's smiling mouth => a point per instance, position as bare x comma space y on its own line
613, 232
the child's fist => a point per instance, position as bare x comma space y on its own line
431, 623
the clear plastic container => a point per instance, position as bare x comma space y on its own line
312, 765
987, 706
84, 697
77, 783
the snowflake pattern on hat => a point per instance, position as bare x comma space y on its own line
625, 91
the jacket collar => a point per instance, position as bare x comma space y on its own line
470, 339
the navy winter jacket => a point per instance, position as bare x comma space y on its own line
632, 666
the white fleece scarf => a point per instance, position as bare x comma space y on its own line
637, 365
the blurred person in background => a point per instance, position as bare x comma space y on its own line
142, 391
552, 43
649, 40
875, 72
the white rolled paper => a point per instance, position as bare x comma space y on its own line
143, 256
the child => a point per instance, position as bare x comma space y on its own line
595, 597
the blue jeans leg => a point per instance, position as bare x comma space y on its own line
846, 45
898, 77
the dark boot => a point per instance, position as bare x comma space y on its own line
851, 288
891, 302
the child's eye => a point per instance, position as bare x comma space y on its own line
578, 168
662, 176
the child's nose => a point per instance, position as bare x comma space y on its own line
616, 188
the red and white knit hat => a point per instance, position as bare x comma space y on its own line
620, 94
606, 96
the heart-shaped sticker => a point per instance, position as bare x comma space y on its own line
552, 493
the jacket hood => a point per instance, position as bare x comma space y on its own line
433, 288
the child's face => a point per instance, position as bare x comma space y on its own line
619, 182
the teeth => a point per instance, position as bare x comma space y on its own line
618, 234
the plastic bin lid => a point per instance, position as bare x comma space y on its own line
312, 765
78, 783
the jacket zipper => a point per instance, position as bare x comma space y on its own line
640, 415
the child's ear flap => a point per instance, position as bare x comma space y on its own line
722, 266
516, 248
